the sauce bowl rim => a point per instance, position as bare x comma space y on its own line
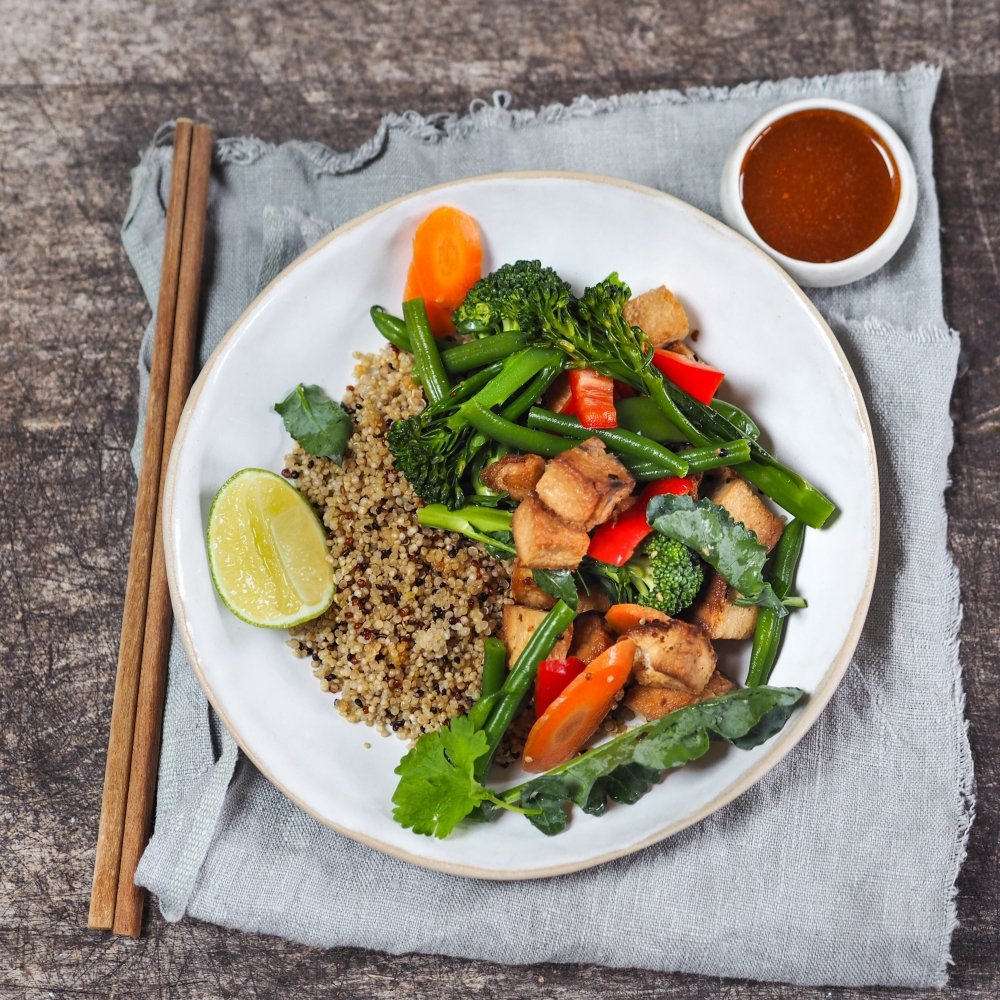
859, 265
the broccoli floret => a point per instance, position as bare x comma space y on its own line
506, 298
665, 575
431, 456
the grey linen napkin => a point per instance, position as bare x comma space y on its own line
839, 867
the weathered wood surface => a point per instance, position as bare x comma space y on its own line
83, 84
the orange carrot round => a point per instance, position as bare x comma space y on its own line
566, 725
622, 617
447, 262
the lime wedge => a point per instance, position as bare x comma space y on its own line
267, 551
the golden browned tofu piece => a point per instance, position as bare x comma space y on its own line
718, 685
558, 394
656, 702
672, 654
595, 600
683, 350
584, 484
715, 612
544, 540
591, 637
518, 624
514, 474
526, 591
659, 315
739, 498
653, 703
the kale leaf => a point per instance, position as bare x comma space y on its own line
711, 531
557, 583
320, 425
626, 767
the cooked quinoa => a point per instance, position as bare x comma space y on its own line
401, 647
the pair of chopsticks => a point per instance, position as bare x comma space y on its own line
116, 903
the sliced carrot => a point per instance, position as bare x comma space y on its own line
622, 617
573, 717
447, 262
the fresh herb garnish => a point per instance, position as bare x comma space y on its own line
557, 583
711, 531
437, 788
320, 425
626, 767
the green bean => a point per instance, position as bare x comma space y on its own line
494, 674
718, 456
769, 629
492, 425
621, 442
641, 415
461, 391
476, 353
518, 369
391, 327
740, 419
522, 675
530, 394
427, 358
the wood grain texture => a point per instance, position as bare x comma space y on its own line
81, 90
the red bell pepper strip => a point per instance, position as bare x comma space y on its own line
694, 378
623, 390
559, 398
615, 540
593, 394
552, 678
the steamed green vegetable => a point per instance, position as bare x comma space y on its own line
626, 767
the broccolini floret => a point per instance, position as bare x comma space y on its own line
506, 299
664, 574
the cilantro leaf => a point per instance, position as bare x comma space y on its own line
711, 531
317, 423
626, 767
437, 790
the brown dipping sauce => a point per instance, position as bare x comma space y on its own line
819, 185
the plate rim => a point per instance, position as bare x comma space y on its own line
802, 720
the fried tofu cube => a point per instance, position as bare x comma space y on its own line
591, 637
514, 474
558, 395
739, 498
526, 591
584, 484
659, 315
715, 612
518, 625
544, 540
672, 654
718, 685
595, 600
655, 702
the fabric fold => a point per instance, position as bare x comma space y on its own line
782, 884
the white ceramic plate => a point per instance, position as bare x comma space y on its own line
783, 365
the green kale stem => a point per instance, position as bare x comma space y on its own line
428, 365
518, 369
621, 442
492, 425
641, 415
458, 359
494, 674
770, 622
522, 675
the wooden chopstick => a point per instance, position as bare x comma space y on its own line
116, 773
159, 616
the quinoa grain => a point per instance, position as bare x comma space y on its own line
402, 643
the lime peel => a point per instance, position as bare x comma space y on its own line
267, 551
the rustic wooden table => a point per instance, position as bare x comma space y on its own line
83, 85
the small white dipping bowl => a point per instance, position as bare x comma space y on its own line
839, 272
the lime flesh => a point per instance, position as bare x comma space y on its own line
267, 551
